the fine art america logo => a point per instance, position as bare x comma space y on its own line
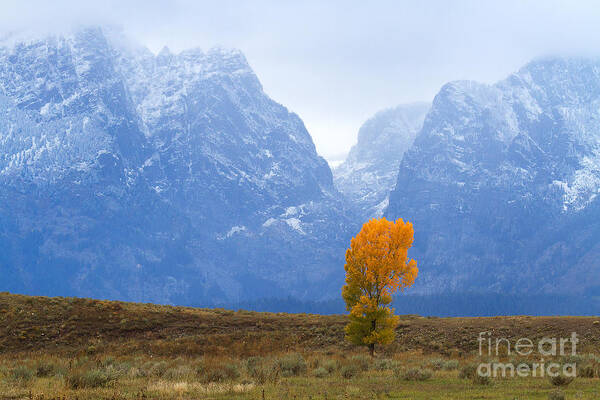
545, 350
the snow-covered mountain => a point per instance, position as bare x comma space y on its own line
167, 178
502, 183
174, 178
370, 171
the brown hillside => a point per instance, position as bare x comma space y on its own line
75, 325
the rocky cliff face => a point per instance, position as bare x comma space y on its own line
370, 171
167, 178
501, 183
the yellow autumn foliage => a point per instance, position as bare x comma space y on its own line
377, 265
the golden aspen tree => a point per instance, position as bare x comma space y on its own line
376, 267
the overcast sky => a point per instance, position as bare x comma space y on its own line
336, 63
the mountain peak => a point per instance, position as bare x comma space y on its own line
174, 172
371, 167
164, 52
505, 166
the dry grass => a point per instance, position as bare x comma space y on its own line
169, 388
62, 348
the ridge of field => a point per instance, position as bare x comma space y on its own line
71, 325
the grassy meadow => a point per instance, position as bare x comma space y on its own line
69, 348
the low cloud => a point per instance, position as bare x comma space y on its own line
335, 63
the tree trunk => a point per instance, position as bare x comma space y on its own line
372, 345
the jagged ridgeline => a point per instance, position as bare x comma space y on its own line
163, 178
